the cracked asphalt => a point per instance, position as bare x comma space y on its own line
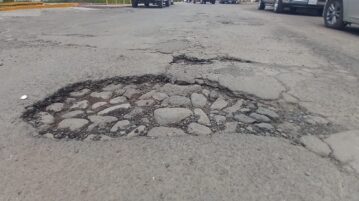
291, 58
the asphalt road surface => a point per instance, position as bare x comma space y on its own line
290, 58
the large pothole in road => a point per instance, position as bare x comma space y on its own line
152, 106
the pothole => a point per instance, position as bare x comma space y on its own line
152, 106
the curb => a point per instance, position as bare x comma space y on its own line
29, 5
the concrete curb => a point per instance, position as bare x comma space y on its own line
22, 6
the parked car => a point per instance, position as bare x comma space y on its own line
280, 5
228, 1
159, 3
339, 13
204, 1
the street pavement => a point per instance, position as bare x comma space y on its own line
288, 58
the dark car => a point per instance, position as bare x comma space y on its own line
159, 3
228, 1
280, 5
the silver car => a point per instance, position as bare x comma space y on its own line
339, 13
280, 5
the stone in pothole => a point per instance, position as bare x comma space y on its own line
198, 129
141, 130
80, 105
213, 95
231, 127
220, 119
120, 125
117, 100
260, 117
177, 101
80, 93
131, 92
206, 92
100, 121
134, 113
219, 104
98, 105
265, 126
203, 118
165, 132
315, 120
267, 112
143, 103
165, 116
112, 87
173, 89
234, 108
147, 95
244, 118
72, 114
114, 108
55, 107
102, 95
159, 96
45, 118
198, 100
73, 124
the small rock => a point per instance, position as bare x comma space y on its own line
49, 135
220, 119
145, 121
219, 104
159, 96
199, 81
70, 100
203, 118
315, 145
46, 118
234, 108
112, 87
131, 92
134, 113
198, 129
177, 101
244, 118
141, 130
143, 103
267, 112
265, 126
103, 95
173, 89
206, 92
198, 100
80, 93
165, 132
123, 124
90, 112
74, 124
313, 120
165, 116
114, 108
130, 86
117, 100
100, 121
147, 95
231, 127
55, 107
245, 110
119, 92
80, 105
73, 114
213, 95
260, 117
98, 105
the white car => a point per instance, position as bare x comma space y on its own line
339, 13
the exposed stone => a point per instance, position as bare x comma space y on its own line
234, 108
265, 126
55, 107
80, 93
145, 121
98, 105
165, 116
119, 92
141, 130
120, 125
213, 95
130, 92
220, 119
49, 135
102, 95
73, 124
130, 86
45, 118
219, 104
112, 87
244, 118
142, 103
100, 121
315, 120
198, 129
114, 108
159, 96
134, 113
315, 145
72, 114
198, 100
117, 100
147, 95
203, 118
182, 90
80, 105
345, 148
260, 117
177, 101
245, 110
70, 100
165, 132
206, 92
267, 112
231, 127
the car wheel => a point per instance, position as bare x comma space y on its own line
261, 5
333, 14
147, 3
278, 6
168, 3
160, 4
213, 1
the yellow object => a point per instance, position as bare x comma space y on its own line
33, 5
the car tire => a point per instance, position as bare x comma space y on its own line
213, 1
333, 14
278, 6
261, 5
167, 3
147, 4
160, 4
134, 4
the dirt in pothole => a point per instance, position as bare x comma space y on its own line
152, 106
